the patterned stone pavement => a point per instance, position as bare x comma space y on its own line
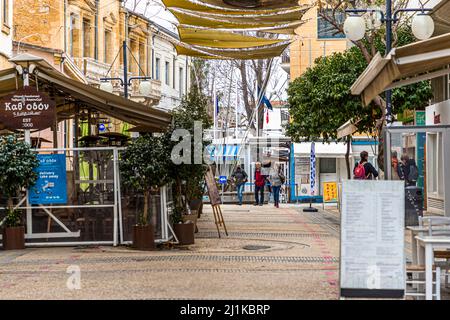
269, 254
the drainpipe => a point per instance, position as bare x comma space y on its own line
65, 26
96, 31
153, 56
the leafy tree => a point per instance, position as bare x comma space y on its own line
414, 96
320, 100
188, 177
17, 171
144, 166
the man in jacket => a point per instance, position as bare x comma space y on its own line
260, 181
240, 177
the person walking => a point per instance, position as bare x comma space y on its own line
260, 181
394, 166
276, 179
408, 171
364, 170
240, 178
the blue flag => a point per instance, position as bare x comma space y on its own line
217, 105
265, 100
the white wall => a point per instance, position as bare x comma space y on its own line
438, 113
171, 92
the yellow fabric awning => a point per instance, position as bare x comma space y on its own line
244, 54
222, 39
288, 29
218, 6
404, 65
188, 17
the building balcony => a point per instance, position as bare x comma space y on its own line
92, 69
152, 98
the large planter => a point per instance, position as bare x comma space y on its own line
14, 238
184, 233
191, 217
144, 237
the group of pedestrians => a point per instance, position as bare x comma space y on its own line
405, 169
275, 179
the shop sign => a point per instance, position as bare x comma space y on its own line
330, 192
51, 185
27, 108
437, 118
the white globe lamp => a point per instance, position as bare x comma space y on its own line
145, 88
106, 86
422, 26
355, 27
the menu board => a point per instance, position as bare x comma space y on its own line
213, 192
372, 262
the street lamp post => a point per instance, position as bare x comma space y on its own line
125, 82
422, 28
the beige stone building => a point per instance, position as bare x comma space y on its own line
6, 19
84, 39
317, 38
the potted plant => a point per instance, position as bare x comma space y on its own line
18, 165
183, 229
188, 177
143, 167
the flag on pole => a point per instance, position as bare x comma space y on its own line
264, 100
313, 168
217, 105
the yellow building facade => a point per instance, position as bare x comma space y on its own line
316, 38
6, 32
90, 33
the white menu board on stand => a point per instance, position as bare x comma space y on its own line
372, 261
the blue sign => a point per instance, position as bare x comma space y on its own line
223, 179
51, 185
101, 127
313, 168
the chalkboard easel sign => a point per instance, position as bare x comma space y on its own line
215, 200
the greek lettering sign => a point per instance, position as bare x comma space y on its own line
51, 186
27, 108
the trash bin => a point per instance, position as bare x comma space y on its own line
413, 205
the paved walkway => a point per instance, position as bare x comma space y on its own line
269, 254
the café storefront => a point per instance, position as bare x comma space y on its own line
78, 199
